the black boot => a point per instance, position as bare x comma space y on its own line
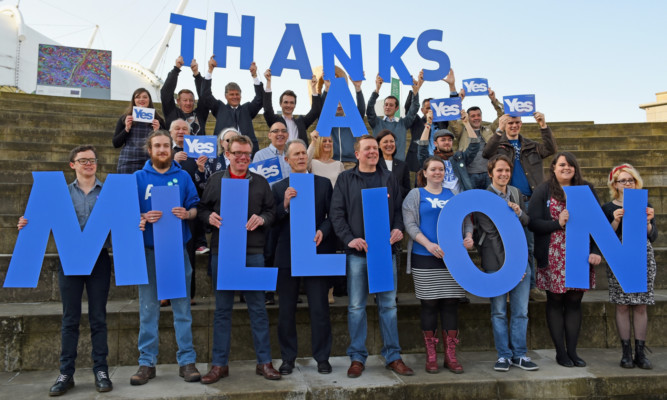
640, 359
626, 361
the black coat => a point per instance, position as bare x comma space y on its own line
401, 172
172, 112
302, 121
323, 192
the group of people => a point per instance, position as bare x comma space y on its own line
447, 158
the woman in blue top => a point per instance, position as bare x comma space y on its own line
438, 292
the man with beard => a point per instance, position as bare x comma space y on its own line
161, 170
184, 106
456, 174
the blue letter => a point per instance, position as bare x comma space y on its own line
430, 54
188, 26
232, 271
353, 64
246, 42
457, 259
50, 208
627, 260
392, 58
305, 260
168, 241
339, 93
292, 39
377, 231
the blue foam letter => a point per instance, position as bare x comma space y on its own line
292, 39
378, 232
430, 54
305, 260
188, 26
339, 93
168, 241
246, 42
456, 257
232, 271
627, 259
352, 64
50, 208
392, 58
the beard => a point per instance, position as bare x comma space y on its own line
159, 164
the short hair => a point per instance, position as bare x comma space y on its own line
357, 144
232, 86
494, 160
80, 149
241, 139
613, 178
186, 91
382, 134
159, 132
287, 93
171, 126
392, 97
421, 178
425, 100
291, 142
474, 108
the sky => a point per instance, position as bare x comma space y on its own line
583, 60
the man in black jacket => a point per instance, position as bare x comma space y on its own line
297, 126
347, 218
184, 106
260, 216
317, 287
233, 113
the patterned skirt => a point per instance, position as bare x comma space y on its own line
433, 280
618, 296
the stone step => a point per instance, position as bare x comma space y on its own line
30, 334
611, 143
602, 378
574, 129
610, 158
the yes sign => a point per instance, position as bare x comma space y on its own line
476, 87
520, 105
446, 109
196, 146
269, 169
143, 114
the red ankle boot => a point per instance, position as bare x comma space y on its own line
451, 340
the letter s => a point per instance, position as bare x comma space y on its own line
430, 54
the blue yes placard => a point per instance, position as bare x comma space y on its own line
197, 146
476, 87
519, 105
269, 169
446, 109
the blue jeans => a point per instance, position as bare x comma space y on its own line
149, 315
513, 343
71, 290
480, 181
357, 289
222, 318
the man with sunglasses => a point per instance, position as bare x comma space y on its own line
260, 216
84, 191
184, 106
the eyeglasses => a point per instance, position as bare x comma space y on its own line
279, 130
626, 182
240, 154
86, 161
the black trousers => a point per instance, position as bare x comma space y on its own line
71, 291
317, 289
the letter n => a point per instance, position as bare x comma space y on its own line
626, 259
50, 208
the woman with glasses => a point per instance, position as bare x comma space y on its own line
548, 217
131, 135
630, 304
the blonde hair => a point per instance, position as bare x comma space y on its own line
613, 178
319, 152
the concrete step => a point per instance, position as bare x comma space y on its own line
59, 153
612, 143
578, 129
610, 158
602, 378
27, 328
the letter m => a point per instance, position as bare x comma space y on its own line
50, 208
626, 259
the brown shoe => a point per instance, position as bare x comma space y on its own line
267, 371
143, 375
215, 374
400, 368
189, 373
355, 370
